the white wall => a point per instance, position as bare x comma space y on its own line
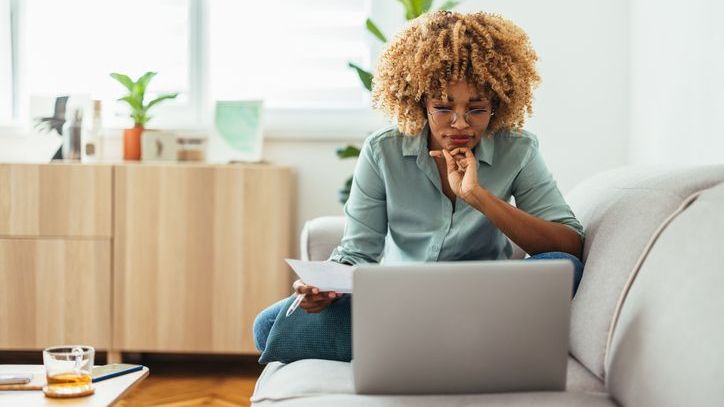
677, 86
5, 66
581, 110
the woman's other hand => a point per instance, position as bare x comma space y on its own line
462, 170
314, 301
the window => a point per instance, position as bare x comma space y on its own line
71, 46
293, 54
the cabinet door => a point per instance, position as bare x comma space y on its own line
198, 252
55, 200
55, 292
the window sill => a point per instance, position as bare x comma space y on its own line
279, 125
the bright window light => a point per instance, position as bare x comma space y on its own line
71, 46
291, 53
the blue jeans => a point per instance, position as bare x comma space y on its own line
264, 321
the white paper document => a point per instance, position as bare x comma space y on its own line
325, 275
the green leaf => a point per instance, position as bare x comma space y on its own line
372, 27
133, 102
140, 118
450, 4
124, 80
160, 99
424, 6
139, 91
409, 9
364, 76
348, 152
145, 79
415, 8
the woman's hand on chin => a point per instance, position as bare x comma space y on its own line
314, 301
462, 171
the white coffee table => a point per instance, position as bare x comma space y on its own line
107, 391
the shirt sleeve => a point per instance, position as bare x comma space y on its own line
365, 213
536, 192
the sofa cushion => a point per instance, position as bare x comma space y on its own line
303, 378
620, 211
580, 379
667, 345
313, 377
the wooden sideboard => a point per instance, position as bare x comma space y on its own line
141, 257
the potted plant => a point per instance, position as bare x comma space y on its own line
139, 111
413, 9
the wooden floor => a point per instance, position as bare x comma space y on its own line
195, 382
181, 380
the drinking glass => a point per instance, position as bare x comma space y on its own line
68, 370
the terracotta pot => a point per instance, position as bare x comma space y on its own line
132, 143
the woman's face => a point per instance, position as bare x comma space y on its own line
461, 121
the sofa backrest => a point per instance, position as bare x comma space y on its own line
621, 210
667, 347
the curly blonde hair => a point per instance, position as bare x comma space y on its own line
441, 47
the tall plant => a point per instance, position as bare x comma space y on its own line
413, 9
137, 94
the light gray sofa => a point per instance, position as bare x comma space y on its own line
647, 323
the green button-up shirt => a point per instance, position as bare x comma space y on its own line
397, 208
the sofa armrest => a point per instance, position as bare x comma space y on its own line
320, 236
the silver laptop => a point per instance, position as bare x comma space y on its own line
462, 327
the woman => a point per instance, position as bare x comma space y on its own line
436, 187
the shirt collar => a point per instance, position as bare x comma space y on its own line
485, 149
413, 145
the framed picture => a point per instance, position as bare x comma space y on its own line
238, 131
